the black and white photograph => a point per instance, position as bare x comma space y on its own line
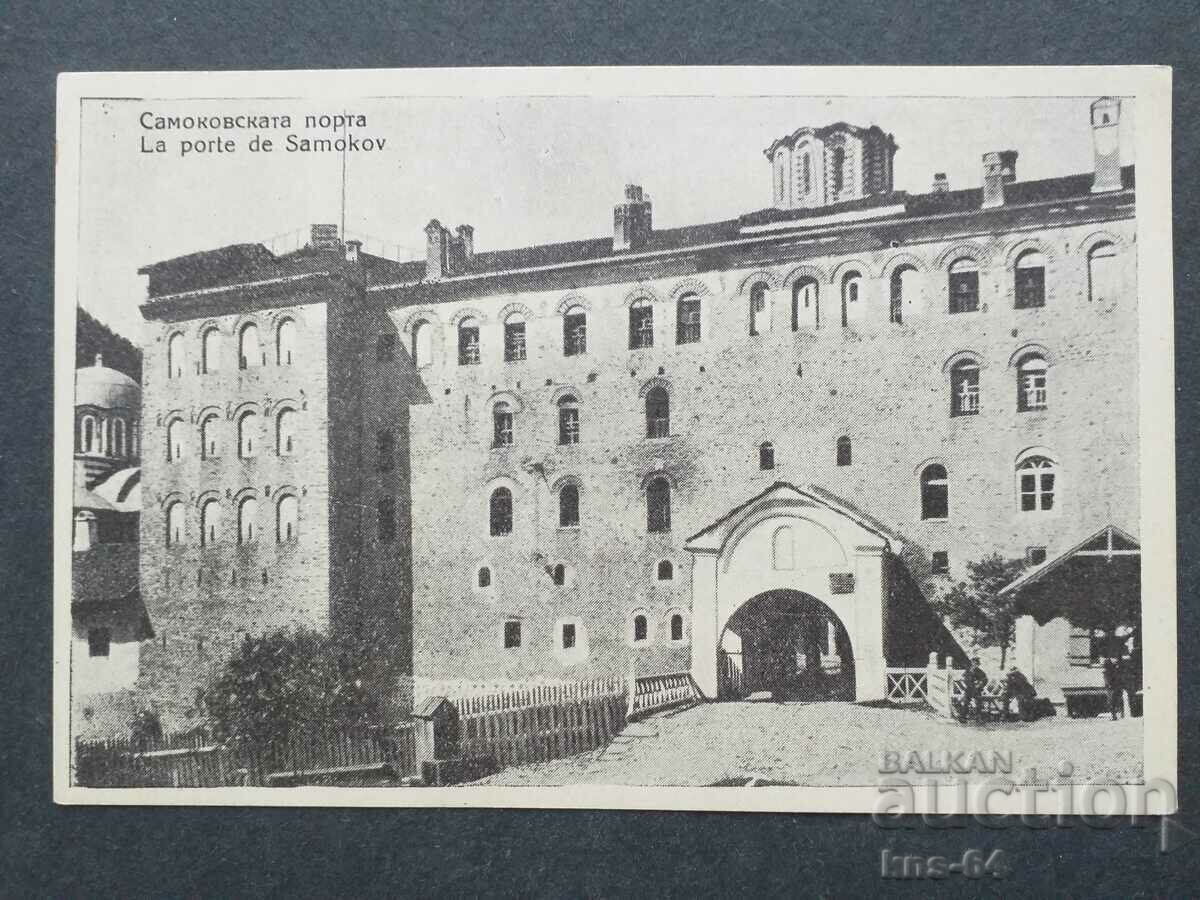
582, 438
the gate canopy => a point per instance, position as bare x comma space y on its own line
1095, 583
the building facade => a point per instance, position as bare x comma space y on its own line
518, 460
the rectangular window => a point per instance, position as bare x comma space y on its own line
1030, 284
568, 426
512, 635
940, 562
687, 328
514, 341
502, 430
387, 520
1033, 390
641, 327
574, 334
1035, 556
99, 641
468, 346
964, 292
386, 451
965, 386
1083, 647
568, 635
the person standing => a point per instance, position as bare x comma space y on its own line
974, 681
1112, 684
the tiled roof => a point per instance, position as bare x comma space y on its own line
106, 573
924, 217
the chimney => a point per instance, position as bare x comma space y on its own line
1106, 143
325, 237
632, 221
466, 238
999, 168
941, 184
437, 251
352, 251
99, 361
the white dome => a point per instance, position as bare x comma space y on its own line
106, 388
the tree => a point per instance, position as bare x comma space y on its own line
975, 604
289, 682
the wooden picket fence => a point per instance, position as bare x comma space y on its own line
192, 762
549, 694
653, 693
519, 734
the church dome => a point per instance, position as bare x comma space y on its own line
105, 388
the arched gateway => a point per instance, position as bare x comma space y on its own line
796, 586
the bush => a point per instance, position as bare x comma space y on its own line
289, 682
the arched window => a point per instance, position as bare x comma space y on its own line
285, 432
574, 331
964, 388
677, 620
666, 570
568, 420
210, 448
766, 456
641, 628
558, 575
500, 512
760, 319
175, 518
1029, 280
247, 520
514, 338
568, 506
805, 174
658, 505
935, 492
1031, 383
210, 348
118, 445
641, 324
806, 310
484, 577
502, 424
247, 430
210, 522
844, 451
851, 304
249, 355
87, 435
287, 518
175, 356
904, 293
838, 166
687, 319
468, 342
175, 440
285, 343
963, 280
385, 451
658, 413
422, 344
783, 549
1102, 272
780, 177
1035, 484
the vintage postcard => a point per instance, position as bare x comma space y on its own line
616, 437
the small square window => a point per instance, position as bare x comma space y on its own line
568, 635
940, 560
512, 635
1035, 556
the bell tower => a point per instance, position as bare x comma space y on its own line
1106, 142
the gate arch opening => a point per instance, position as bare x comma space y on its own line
788, 643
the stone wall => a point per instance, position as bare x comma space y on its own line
885, 386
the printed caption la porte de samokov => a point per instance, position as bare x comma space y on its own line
211, 135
